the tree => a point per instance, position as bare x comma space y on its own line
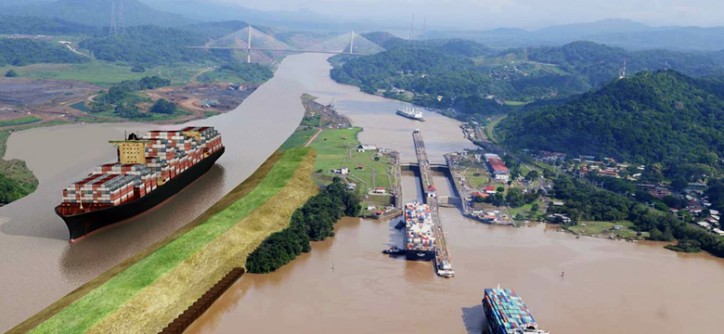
500, 189
163, 106
532, 175
679, 184
11, 73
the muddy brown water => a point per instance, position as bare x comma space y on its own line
609, 286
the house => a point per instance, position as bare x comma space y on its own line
489, 190
704, 224
341, 171
366, 147
351, 186
719, 232
371, 208
431, 191
380, 190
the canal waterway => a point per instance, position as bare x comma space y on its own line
345, 284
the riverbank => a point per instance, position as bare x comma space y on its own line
168, 277
16, 179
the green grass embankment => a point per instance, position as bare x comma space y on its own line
606, 229
106, 295
337, 148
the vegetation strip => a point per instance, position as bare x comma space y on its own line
156, 305
314, 221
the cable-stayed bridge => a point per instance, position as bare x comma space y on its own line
251, 40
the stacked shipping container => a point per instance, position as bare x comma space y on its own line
167, 154
418, 228
507, 313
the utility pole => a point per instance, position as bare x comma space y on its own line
114, 26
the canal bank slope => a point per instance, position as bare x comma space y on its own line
148, 294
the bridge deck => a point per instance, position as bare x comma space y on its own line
443, 262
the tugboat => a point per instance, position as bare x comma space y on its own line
394, 250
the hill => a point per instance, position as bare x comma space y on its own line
98, 12
622, 33
454, 69
151, 45
21, 52
27, 25
653, 117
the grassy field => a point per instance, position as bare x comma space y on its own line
104, 73
104, 299
337, 148
477, 177
298, 138
605, 229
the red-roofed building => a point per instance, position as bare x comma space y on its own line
497, 167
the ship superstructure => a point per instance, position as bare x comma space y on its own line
411, 112
507, 313
419, 237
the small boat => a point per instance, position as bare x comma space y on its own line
400, 225
394, 250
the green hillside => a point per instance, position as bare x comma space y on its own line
660, 116
468, 76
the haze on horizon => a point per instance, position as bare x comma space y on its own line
488, 14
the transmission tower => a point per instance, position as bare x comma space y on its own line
121, 15
114, 25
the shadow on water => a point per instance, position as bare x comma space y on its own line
474, 319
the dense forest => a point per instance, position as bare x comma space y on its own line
313, 221
151, 45
469, 76
583, 201
236, 72
122, 98
661, 117
21, 52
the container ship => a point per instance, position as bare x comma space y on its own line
411, 113
149, 170
507, 313
419, 239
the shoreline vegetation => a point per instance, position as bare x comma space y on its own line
16, 179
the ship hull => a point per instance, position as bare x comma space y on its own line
414, 255
81, 224
410, 116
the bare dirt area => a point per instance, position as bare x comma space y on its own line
46, 100
204, 98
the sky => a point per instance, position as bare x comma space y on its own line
527, 14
